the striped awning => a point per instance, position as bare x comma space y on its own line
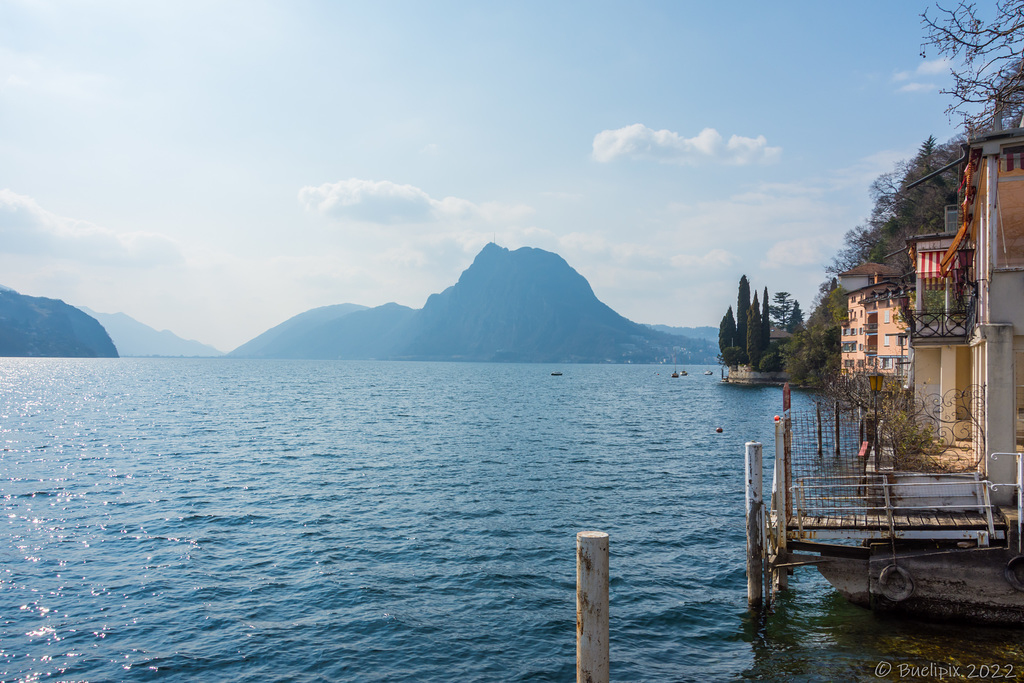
929, 269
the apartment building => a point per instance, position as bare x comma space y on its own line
874, 337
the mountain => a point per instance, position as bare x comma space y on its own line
526, 305
36, 326
289, 339
707, 332
133, 338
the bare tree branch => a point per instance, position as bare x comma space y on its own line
990, 79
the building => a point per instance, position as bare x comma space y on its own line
935, 510
874, 337
967, 321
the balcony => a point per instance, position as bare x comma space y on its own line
871, 328
942, 325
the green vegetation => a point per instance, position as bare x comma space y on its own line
746, 338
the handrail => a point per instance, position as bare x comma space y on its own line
1020, 495
887, 500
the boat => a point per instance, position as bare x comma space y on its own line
556, 373
675, 373
683, 373
708, 372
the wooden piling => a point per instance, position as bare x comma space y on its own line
755, 526
592, 607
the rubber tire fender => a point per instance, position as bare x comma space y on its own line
1010, 572
889, 580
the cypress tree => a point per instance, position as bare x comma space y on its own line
727, 331
742, 307
795, 318
766, 323
754, 334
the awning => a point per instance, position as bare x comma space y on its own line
929, 269
969, 190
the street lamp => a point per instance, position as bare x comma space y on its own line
875, 379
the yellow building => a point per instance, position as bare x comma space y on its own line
874, 337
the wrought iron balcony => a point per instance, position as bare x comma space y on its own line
955, 323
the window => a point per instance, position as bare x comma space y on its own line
887, 320
886, 342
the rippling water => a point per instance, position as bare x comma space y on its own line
233, 520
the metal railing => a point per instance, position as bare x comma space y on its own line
943, 323
907, 505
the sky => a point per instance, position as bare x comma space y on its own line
215, 168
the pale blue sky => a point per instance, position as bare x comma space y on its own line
215, 168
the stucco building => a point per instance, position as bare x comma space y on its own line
874, 337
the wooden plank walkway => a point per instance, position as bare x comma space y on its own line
920, 520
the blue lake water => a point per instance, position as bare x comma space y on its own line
271, 520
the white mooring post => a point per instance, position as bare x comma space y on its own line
755, 526
592, 607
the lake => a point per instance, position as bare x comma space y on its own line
227, 520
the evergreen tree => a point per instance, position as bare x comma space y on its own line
727, 331
781, 310
766, 323
754, 334
796, 317
742, 307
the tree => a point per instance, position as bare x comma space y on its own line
766, 323
781, 310
727, 331
900, 211
796, 318
813, 355
990, 81
754, 334
742, 306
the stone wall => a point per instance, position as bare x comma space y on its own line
744, 375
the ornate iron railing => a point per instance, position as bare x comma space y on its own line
941, 324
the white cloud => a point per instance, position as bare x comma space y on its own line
913, 80
807, 251
385, 202
27, 228
716, 258
934, 67
639, 142
917, 87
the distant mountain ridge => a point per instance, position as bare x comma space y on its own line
281, 340
136, 339
32, 326
526, 305
707, 332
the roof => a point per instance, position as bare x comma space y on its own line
871, 269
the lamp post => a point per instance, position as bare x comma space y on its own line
875, 379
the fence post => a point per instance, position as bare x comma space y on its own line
755, 526
837, 428
592, 607
817, 410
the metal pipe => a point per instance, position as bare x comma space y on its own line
967, 152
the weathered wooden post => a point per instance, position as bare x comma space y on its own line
779, 577
837, 429
592, 607
755, 526
817, 410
